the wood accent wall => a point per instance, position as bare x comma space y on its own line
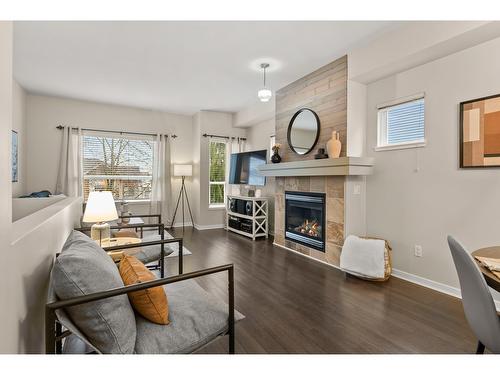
325, 92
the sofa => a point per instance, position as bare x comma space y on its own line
88, 309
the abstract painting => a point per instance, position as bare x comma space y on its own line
14, 157
480, 132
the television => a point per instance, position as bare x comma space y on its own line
243, 168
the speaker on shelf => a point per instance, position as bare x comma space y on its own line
232, 204
249, 208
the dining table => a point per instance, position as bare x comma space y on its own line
489, 252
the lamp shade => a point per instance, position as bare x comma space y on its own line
183, 170
100, 207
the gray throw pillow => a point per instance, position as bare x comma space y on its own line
83, 268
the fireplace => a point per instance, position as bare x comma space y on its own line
305, 219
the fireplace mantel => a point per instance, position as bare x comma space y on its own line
345, 166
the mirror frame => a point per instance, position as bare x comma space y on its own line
290, 124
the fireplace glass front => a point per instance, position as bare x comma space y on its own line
305, 218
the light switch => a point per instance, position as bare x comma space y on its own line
357, 189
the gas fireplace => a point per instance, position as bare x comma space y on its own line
305, 218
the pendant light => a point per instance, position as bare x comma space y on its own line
264, 93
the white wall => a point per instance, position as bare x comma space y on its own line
44, 113
19, 125
8, 317
419, 196
258, 139
35, 241
219, 123
391, 52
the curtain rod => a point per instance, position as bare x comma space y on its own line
223, 136
60, 127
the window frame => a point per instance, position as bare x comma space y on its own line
104, 134
382, 111
217, 206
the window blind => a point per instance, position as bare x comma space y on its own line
122, 165
405, 122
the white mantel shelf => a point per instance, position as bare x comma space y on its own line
346, 166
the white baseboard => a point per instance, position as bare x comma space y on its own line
186, 224
210, 226
434, 285
422, 281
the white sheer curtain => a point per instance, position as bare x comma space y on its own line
233, 145
69, 177
161, 192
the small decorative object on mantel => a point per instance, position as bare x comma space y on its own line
276, 158
333, 146
321, 154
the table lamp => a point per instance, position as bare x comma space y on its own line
182, 170
99, 209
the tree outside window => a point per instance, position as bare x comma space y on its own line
123, 166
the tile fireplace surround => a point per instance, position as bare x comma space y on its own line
333, 187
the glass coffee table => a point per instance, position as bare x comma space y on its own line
132, 221
120, 241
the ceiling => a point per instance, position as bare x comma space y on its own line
179, 67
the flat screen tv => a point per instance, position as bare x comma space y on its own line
243, 168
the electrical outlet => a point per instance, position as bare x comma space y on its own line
418, 251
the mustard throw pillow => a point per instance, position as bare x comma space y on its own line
151, 303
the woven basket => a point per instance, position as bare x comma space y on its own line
387, 259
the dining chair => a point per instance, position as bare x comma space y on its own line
479, 307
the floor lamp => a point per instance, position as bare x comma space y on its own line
182, 170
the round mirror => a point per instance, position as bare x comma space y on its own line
303, 131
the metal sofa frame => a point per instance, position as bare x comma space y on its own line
53, 329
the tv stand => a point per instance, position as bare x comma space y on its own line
248, 216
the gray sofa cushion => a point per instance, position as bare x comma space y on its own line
83, 268
150, 254
195, 317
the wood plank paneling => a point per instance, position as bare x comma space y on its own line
325, 92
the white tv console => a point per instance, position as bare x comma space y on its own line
257, 223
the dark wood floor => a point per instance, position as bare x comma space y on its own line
296, 305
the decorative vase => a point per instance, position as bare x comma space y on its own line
125, 213
333, 146
321, 154
276, 158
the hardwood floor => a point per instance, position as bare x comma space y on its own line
296, 305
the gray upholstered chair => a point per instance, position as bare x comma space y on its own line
478, 303
88, 309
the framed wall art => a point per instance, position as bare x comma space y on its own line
480, 133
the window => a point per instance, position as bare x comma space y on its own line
121, 165
401, 125
217, 173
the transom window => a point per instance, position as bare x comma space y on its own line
401, 124
217, 173
122, 165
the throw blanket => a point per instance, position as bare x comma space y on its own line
363, 257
